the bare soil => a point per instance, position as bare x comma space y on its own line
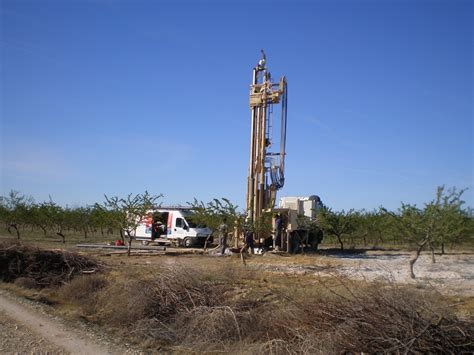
18, 338
26, 329
451, 274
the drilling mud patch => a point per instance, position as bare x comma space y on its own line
38, 268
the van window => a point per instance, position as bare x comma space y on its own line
193, 224
179, 223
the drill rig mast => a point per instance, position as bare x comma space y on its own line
267, 164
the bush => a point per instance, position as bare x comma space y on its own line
83, 289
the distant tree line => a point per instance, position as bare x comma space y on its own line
113, 217
443, 222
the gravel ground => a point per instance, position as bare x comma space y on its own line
30, 329
452, 274
16, 338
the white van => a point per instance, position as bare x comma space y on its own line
172, 225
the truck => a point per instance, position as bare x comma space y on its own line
298, 215
172, 225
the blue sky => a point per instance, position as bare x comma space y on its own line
121, 96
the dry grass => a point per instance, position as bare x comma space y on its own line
230, 308
182, 309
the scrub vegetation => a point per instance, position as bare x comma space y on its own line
214, 307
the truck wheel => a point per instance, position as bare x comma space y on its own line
145, 242
187, 242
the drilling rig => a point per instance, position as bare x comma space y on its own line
266, 173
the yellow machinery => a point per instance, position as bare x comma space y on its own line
267, 140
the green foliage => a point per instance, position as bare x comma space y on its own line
441, 220
215, 212
15, 210
337, 223
218, 211
127, 213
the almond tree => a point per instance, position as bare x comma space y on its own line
81, 219
128, 212
434, 224
453, 220
338, 224
15, 210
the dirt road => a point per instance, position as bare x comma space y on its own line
24, 329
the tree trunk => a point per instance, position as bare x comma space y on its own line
340, 241
207, 240
121, 236
62, 236
44, 230
433, 260
129, 243
14, 225
380, 238
442, 248
418, 252
85, 233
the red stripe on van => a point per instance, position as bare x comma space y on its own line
170, 220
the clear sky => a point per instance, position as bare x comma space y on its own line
121, 96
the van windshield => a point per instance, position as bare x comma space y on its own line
193, 224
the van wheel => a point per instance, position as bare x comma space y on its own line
145, 242
187, 242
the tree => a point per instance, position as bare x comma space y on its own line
215, 212
437, 222
41, 216
16, 210
59, 216
452, 222
338, 224
100, 218
371, 226
81, 219
127, 213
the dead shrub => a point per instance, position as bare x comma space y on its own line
45, 267
161, 296
82, 290
209, 324
389, 318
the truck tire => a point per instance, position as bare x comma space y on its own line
145, 242
187, 242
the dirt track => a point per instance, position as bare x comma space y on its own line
24, 329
